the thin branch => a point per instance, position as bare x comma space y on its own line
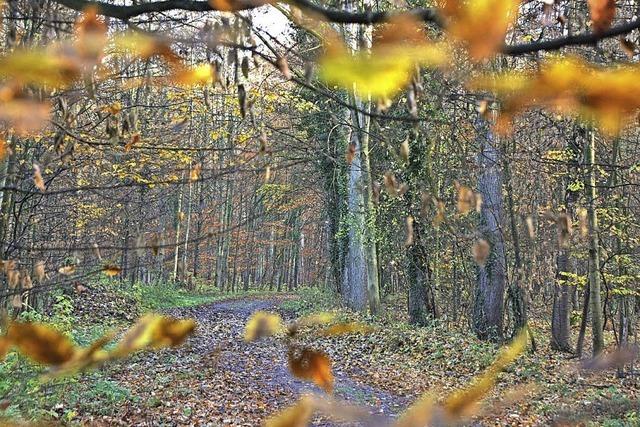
590, 38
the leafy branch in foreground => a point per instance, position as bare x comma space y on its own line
45, 345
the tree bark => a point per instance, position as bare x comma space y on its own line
490, 281
594, 250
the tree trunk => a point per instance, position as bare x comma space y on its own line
490, 282
361, 266
594, 250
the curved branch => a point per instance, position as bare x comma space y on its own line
125, 12
344, 17
334, 15
578, 40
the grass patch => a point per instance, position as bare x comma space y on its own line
311, 300
161, 296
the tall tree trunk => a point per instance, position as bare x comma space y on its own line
594, 250
490, 282
565, 265
361, 266
515, 290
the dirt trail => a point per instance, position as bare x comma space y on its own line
218, 379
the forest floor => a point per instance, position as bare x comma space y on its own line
218, 379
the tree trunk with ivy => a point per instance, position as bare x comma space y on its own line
360, 286
490, 280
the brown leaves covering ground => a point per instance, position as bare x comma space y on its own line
217, 378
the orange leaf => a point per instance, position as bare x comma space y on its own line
602, 14
313, 366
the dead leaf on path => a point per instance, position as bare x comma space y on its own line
311, 365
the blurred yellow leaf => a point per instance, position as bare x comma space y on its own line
388, 67
91, 36
67, 270
41, 342
42, 67
111, 270
200, 75
25, 116
347, 328
609, 96
419, 414
145, 46
37, 178
84, 358
234, 5
262, 324
297, 415
460, 403
5, 344
481, 25
154, 331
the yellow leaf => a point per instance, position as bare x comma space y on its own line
25, 116
37, 178
385, 70
607, 96
67, 270
39, 67
200, 75
234, 5
5, 345
297, 415
154, 331
145, 46
480, 251
262, 324
481, 25
84, 358
460, 403
111, 270
419, 414
41, 343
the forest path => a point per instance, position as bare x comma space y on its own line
218, 379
